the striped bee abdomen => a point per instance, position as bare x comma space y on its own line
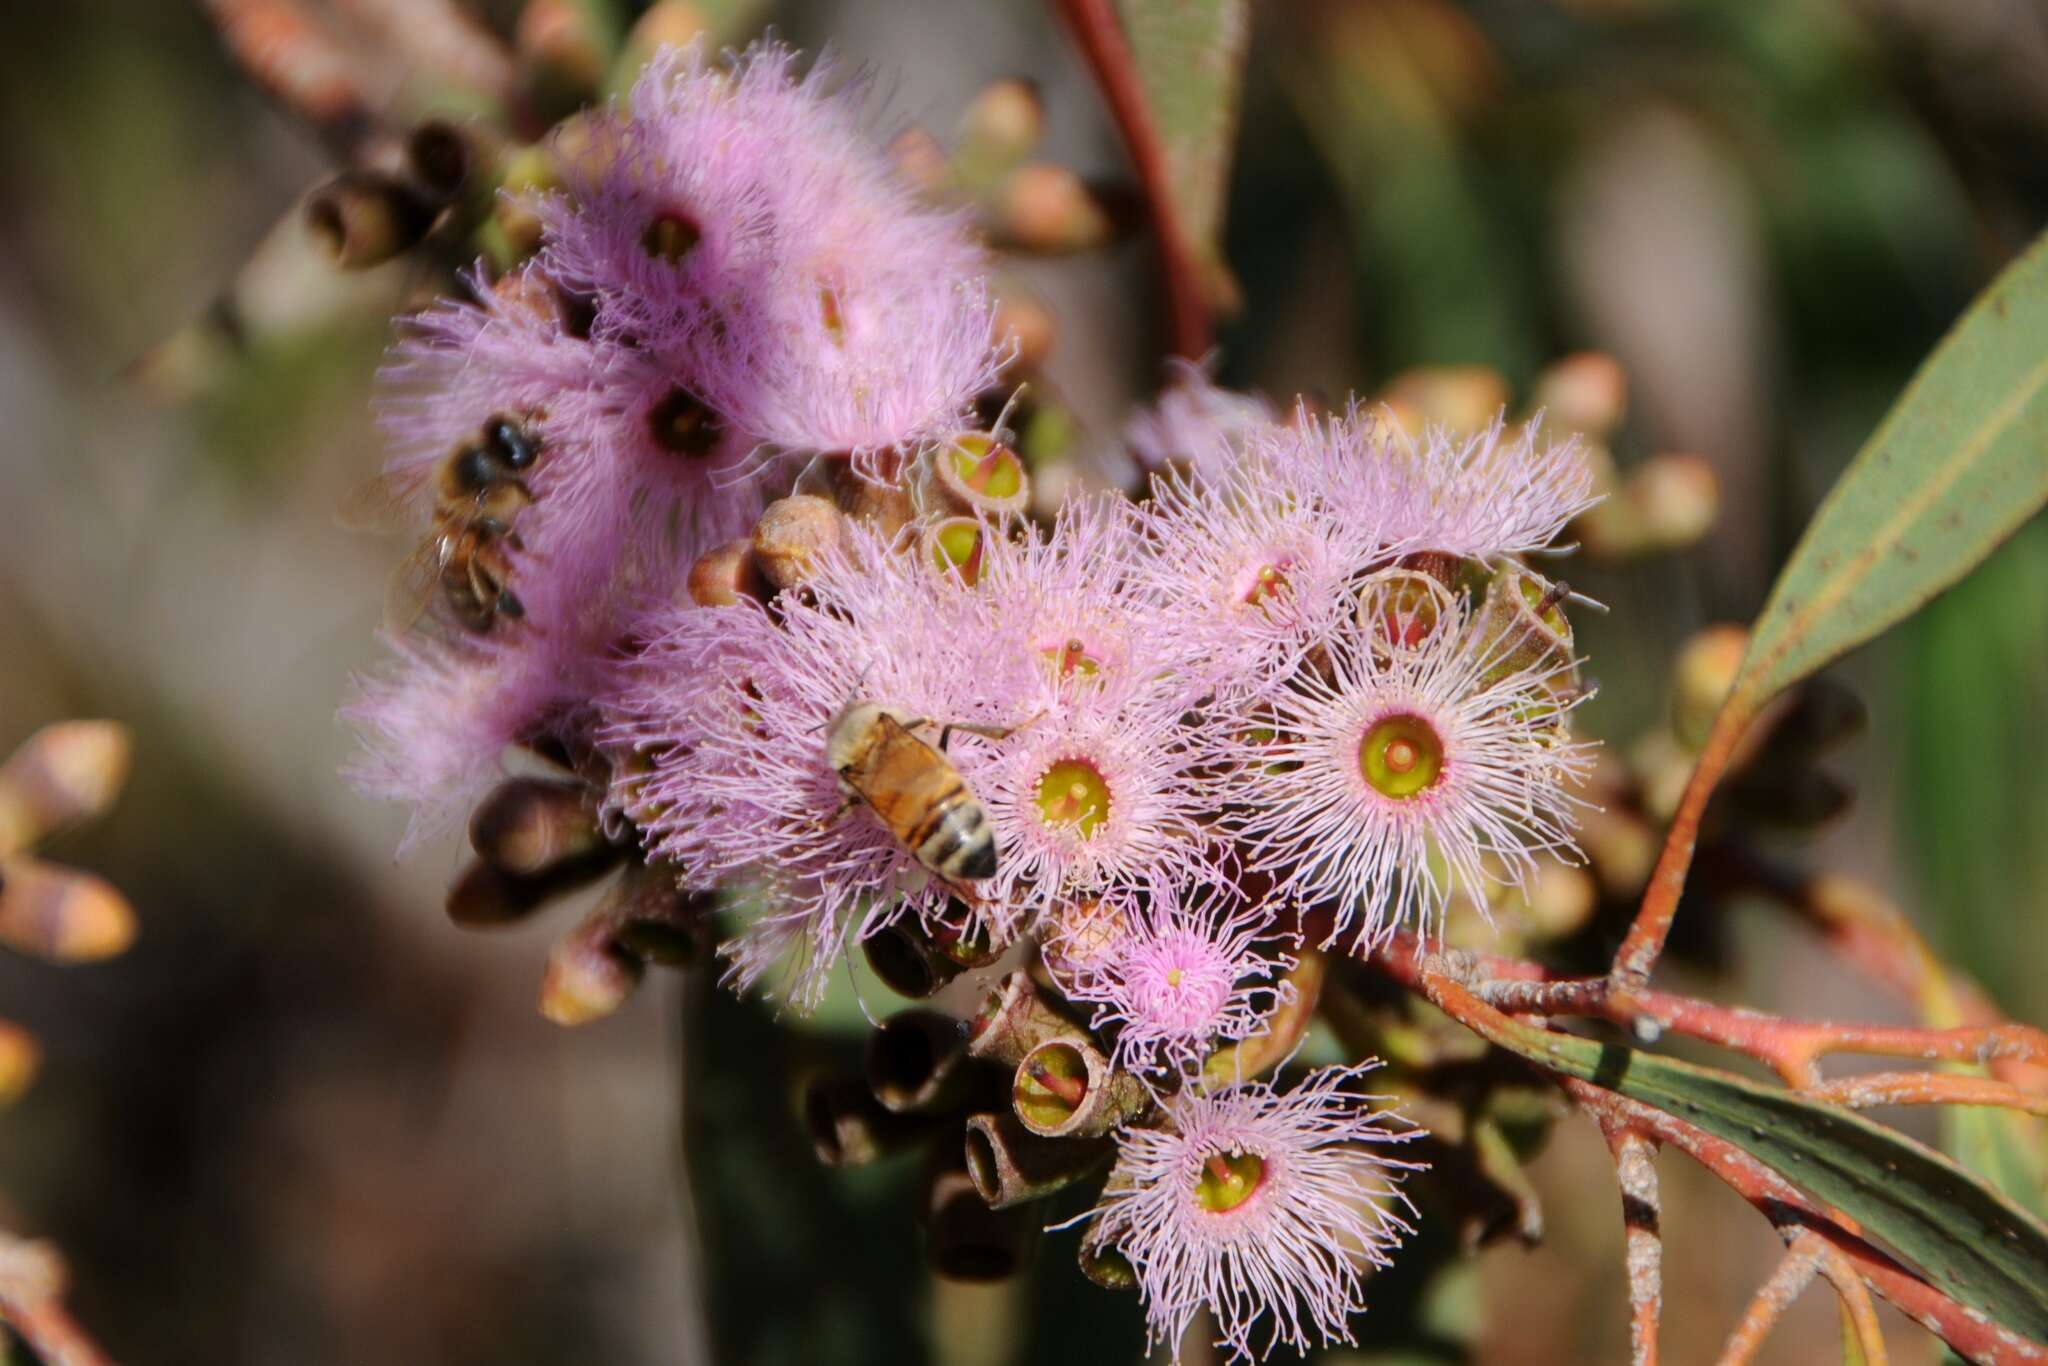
955, 839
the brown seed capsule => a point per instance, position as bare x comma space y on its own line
1013, 1020
364, 218
794, 533
1065, 1088
965, 1239
915, 1060
850, 1128
643, 917
532, 826
908, 963
1010, 1165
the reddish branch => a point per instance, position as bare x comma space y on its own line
32, 1304
1645, 942
1107, 50
298, 64
1791, 1047
1641, 1213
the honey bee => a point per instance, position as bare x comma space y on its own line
913, 789
479, 488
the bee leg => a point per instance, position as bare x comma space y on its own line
986, 732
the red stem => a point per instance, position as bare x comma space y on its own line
1107, 50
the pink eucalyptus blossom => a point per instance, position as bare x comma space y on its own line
1181, 974
1262, 1207
1397, 772
1195, 426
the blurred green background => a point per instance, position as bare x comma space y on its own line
306, 1120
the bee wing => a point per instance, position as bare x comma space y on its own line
389, 502
413, 582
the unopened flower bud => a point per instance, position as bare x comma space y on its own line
919, 159
532, 826
1013, 1020
1066, 1088
1046, 208
61, 914
665, 23
1586, 392
1700, 679
725, 574
588, 975
63, 774
1559, 900
885, 506
19, 1056
980, 475
567, 48
1010, 1165
1001, 126
1463, 398
916, 1060
364, 218
792, 535
1665, 503
1027, 327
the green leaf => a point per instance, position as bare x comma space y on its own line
1955, 468
1190, 59
1976, 1247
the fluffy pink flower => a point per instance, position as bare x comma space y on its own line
1195, 426
1260, 1205
1253, 564
1181, 974
728, 712
1096, 791
744, 226
435, 724
1479, 495
1396, 773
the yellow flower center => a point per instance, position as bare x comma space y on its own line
1228, 1181
1401, 756
956, 548
1073, 793
987, 466
1269, 582
670, 238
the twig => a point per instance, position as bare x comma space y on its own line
1970, 1333
31, 1303
1636, 1172
1107, 50
442, 38
1857, 1305
1645, 941
1792, 1047
1795, 1271
1926, 1088
300, 66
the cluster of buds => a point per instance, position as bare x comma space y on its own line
61, 776
1132, 767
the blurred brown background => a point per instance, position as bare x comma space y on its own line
306, 1120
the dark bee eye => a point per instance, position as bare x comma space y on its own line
511, 442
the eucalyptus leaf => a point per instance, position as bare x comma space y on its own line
1190, 59
1978, 1248
1959, 463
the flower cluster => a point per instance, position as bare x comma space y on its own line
1294, 699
